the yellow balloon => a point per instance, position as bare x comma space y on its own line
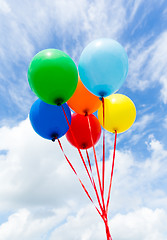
119, 113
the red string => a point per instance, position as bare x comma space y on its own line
92, 180
95, 188
107, 231
104, 215
89, 162
112, 170
101, 184
97, 168
84, 188
83, 161
103, 166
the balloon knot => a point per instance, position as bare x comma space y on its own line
58, 101
54, 137
83, 145
102, 94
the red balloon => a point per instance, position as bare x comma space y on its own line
79, 134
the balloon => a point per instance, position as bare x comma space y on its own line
80, 130
53, 76
103, 66
119, 113
48, 120
83, 101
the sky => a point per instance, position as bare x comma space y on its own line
40, 198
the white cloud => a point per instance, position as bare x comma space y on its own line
156, 164
147, 65
26, 225
139, 182
31, 27
4, 7
34, 171
85, 225
139, 129
35, 176
135, 6
163, 81
143, 224
165, 122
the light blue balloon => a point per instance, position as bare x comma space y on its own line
103, 66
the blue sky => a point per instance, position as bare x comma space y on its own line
39, 195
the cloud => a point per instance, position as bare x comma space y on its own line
163, 92
135, 7
139, 182
165, 122
143, 223
4, 7
37, 184
139, 130
26, 225
62, 22
156, 164
147, 65
34, 171
27, 28
85, 225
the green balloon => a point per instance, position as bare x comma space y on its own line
53, 76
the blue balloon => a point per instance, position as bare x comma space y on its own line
103, 66
49, 121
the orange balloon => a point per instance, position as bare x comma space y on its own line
83, 101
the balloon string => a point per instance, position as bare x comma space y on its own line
112, 170
83, 161
104, 215
95, 188
103, 166
103, 209
87, 154
97, 168
107, 229
84, 188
